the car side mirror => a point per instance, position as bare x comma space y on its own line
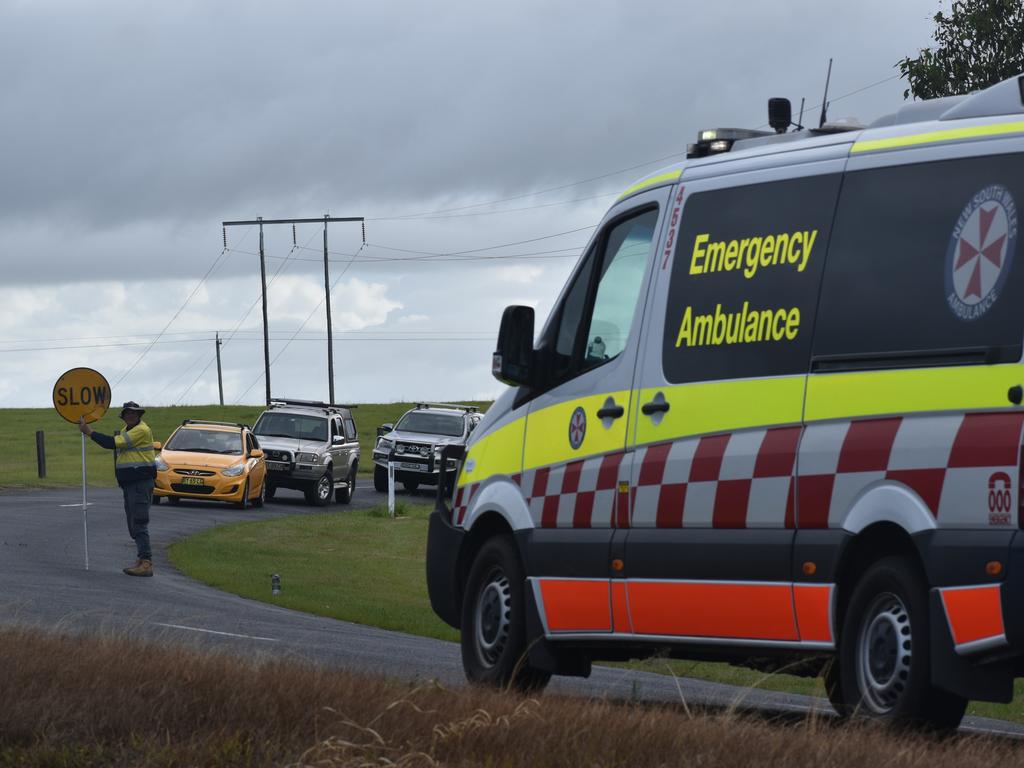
513, 358
383, 429
338, 439
157, 445
256, 454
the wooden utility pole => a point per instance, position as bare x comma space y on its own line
220, 379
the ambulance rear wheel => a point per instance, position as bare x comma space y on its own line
494, 620
884, 664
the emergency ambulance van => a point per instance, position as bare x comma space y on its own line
774, 417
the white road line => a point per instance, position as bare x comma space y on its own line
78, 504
215, 632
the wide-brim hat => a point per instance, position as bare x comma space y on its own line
131, 405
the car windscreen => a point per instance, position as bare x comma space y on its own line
206, 441
431, 423
293, 425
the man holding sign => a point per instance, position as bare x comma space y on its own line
135, 469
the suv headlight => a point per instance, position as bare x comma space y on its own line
309, 458
385, 445
234, 471
161, 465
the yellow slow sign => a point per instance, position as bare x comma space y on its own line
81, 392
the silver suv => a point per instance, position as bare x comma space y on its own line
415, 443
310, 447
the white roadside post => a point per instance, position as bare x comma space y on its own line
391, 486
82, 393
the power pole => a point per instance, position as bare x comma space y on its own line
330, 331
260, 221
220, 379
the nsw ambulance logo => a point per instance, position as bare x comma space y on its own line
981, 252
577, 428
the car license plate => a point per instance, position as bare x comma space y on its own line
412, 465
279, 465
191, 481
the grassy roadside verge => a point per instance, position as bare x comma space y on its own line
18, 428
75, 702
363, 567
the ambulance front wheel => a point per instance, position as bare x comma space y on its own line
884, 664
494, 620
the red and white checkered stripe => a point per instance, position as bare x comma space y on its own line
747, 479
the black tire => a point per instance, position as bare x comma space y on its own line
244, 503
884, 654
411, 485
319, 494
174, 500
271, 489
380, 479
494, 620
262, 496
344, 495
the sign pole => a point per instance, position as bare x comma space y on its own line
85, 509
82, 394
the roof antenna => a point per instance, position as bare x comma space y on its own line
824, 99
800, 120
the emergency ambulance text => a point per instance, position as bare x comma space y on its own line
750, 253
747, 326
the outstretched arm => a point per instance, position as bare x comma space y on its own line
105, 441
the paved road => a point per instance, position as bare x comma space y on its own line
45, 584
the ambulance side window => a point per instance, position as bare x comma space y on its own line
921, 268
627, 251
596, 315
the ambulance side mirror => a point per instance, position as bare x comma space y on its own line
513, 358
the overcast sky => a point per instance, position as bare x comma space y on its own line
130, 130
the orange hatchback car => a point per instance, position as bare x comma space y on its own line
213, 460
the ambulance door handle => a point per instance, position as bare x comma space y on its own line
653, 407
611, 411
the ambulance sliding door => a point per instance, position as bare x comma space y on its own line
719, 399
576, 459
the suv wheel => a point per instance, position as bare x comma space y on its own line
411, 485
380, 479
344, 495
269, 489
319, 494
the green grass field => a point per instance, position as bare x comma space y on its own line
64, 448
361, 566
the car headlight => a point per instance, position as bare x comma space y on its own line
234, 471
161, 465
385, 445
309, 458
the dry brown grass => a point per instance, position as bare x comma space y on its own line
77, 701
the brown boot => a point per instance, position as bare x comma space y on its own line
141, 568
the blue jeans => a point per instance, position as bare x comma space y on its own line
137, 498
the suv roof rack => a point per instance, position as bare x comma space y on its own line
450, 406
274, 401
217, 423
